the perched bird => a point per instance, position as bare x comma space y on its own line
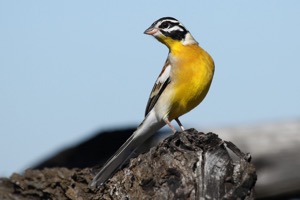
182, 84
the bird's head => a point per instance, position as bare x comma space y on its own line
170, 31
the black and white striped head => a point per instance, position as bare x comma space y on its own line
170, 28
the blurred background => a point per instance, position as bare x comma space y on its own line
71, 68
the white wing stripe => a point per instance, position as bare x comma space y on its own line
165, 75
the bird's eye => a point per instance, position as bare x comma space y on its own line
164, 25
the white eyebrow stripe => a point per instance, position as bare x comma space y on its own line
174, 28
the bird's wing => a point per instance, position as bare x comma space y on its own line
160, 85
147, 128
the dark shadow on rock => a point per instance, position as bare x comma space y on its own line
94, 151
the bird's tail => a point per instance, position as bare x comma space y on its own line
147, 128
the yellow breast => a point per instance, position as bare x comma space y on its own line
191, 75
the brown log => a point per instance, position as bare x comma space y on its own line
187, 165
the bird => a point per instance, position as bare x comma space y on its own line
183, 83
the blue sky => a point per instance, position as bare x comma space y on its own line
70, 68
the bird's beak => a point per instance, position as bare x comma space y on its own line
151, 30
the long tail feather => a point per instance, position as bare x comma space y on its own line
147, 128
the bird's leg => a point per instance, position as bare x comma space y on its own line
180, 124
169, 124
